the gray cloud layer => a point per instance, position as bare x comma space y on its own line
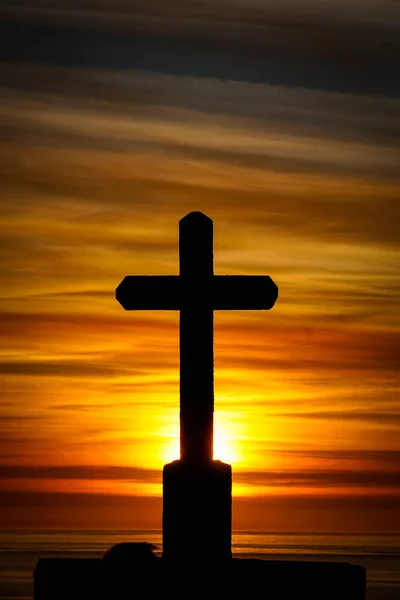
298, 47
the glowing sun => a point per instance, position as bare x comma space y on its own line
223, 447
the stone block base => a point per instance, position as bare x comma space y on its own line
197, 511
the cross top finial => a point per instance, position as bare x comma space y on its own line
195, 216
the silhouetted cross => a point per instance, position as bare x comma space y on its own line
196, 293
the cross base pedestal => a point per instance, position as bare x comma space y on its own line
197, 511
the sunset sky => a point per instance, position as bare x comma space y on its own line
280, 121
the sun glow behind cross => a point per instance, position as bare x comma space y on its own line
224, 445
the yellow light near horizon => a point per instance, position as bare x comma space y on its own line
172, 450
224, 447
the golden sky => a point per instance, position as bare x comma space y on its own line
97, 166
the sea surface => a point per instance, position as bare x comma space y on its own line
380, 554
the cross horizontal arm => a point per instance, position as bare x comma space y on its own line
243, 292
217, 292
149, 292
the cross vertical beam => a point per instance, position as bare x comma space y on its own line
196, 261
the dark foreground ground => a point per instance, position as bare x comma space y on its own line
126, 573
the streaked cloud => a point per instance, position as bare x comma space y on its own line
109, 473
306, 478
388, 418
